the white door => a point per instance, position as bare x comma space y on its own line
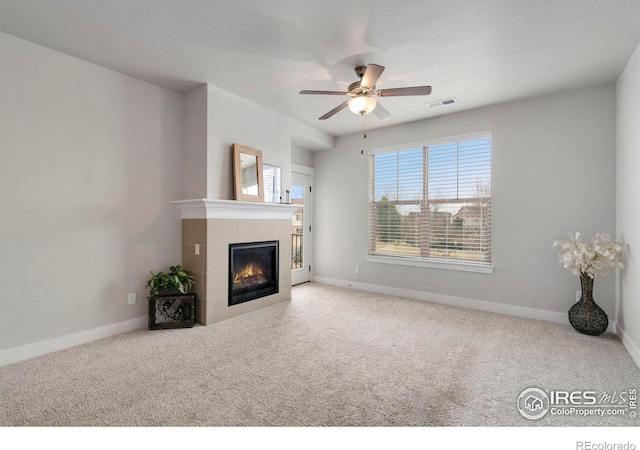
301, 229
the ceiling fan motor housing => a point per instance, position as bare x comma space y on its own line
355, 89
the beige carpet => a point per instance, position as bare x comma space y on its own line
329, 357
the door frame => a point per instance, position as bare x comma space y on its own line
307, 220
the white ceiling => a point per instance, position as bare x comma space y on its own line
479, 51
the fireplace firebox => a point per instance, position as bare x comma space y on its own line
253, 271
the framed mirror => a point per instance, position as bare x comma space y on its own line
247, 174
272, 183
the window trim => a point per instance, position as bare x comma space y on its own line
430, 263
432, 142
435, 263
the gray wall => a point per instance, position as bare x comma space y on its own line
90, 161
553, 174
195, 144
301, 156
232, 119
627, 207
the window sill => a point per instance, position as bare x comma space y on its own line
432, 264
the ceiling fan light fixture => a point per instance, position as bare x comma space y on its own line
362, 105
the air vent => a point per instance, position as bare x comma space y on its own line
445, 102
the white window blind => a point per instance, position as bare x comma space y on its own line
433, 201
271, 182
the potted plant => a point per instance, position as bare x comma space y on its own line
176, 281
171, 305
588, 260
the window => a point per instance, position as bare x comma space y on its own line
271, 176
432, 202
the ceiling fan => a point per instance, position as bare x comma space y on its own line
363, 93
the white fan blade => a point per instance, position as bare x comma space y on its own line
323, 92
335, 110
398, 92
380, 112
371, 76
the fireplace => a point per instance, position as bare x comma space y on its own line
253, 271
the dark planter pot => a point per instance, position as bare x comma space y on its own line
172, 311
585, 315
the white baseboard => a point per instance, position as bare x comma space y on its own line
631, 346
52, 345
481, 305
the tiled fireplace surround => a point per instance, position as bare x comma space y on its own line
213, 225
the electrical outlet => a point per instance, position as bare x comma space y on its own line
132, 298
357, 269
197, 249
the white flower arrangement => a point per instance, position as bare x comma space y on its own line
595, 258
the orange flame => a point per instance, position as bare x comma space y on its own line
247, 271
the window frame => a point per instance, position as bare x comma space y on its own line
428, 261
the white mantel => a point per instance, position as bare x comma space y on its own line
203, 208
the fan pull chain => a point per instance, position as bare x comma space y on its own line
364, 130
